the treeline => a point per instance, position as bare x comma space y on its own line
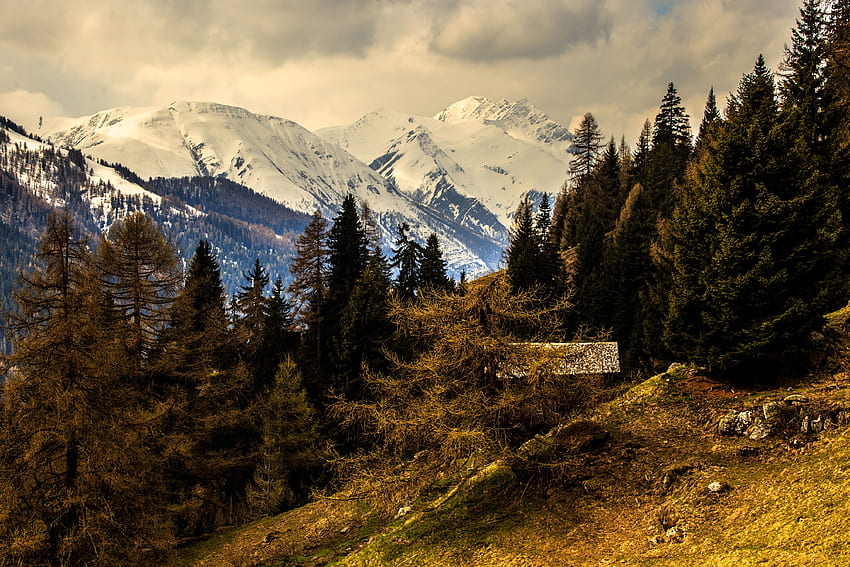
726, 252
219, 195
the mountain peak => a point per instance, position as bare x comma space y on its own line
519, 117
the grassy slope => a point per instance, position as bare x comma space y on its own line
787, 505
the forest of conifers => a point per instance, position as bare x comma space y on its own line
142, 406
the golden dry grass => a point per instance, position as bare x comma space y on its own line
786, 506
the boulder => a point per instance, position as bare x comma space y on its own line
580, 436
717, 487
795, 399
759, 430
774, 412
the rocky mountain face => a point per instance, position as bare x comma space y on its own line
473, 161
36, 177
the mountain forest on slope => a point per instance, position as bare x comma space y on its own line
355, 404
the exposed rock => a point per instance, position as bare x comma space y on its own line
675, 534
774, 412
759, 430
575, 437
717, 487
796, 399
735, 423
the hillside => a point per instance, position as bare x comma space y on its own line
633, 490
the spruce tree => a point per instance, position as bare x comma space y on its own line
365, 326
523, 252
710, 118
289, 453
432, 267
253, 306
347, 256
406, 258
671, 123
754, 253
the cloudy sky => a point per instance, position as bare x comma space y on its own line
328, 62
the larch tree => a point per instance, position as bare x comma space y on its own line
80, 482
587, 141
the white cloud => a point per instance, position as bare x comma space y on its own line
27, 108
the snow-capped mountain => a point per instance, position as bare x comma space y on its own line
277, 158
37, 177
473, 161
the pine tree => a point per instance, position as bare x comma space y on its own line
586, 142
432, 267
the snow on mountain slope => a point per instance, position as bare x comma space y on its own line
273, 156
473, 161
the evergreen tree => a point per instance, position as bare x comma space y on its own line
347, 256
253, 307
671, 123
406, 258
754, 253
644, 145
210, 439
548, 269
432, 268
288, 453
710, 118
586, 143
523, 252
279, 337
365, 326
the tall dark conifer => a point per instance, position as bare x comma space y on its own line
523, 252
754, 241
407, 255
432, 268
347, 256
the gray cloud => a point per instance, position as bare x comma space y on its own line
324, 62
492, 30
